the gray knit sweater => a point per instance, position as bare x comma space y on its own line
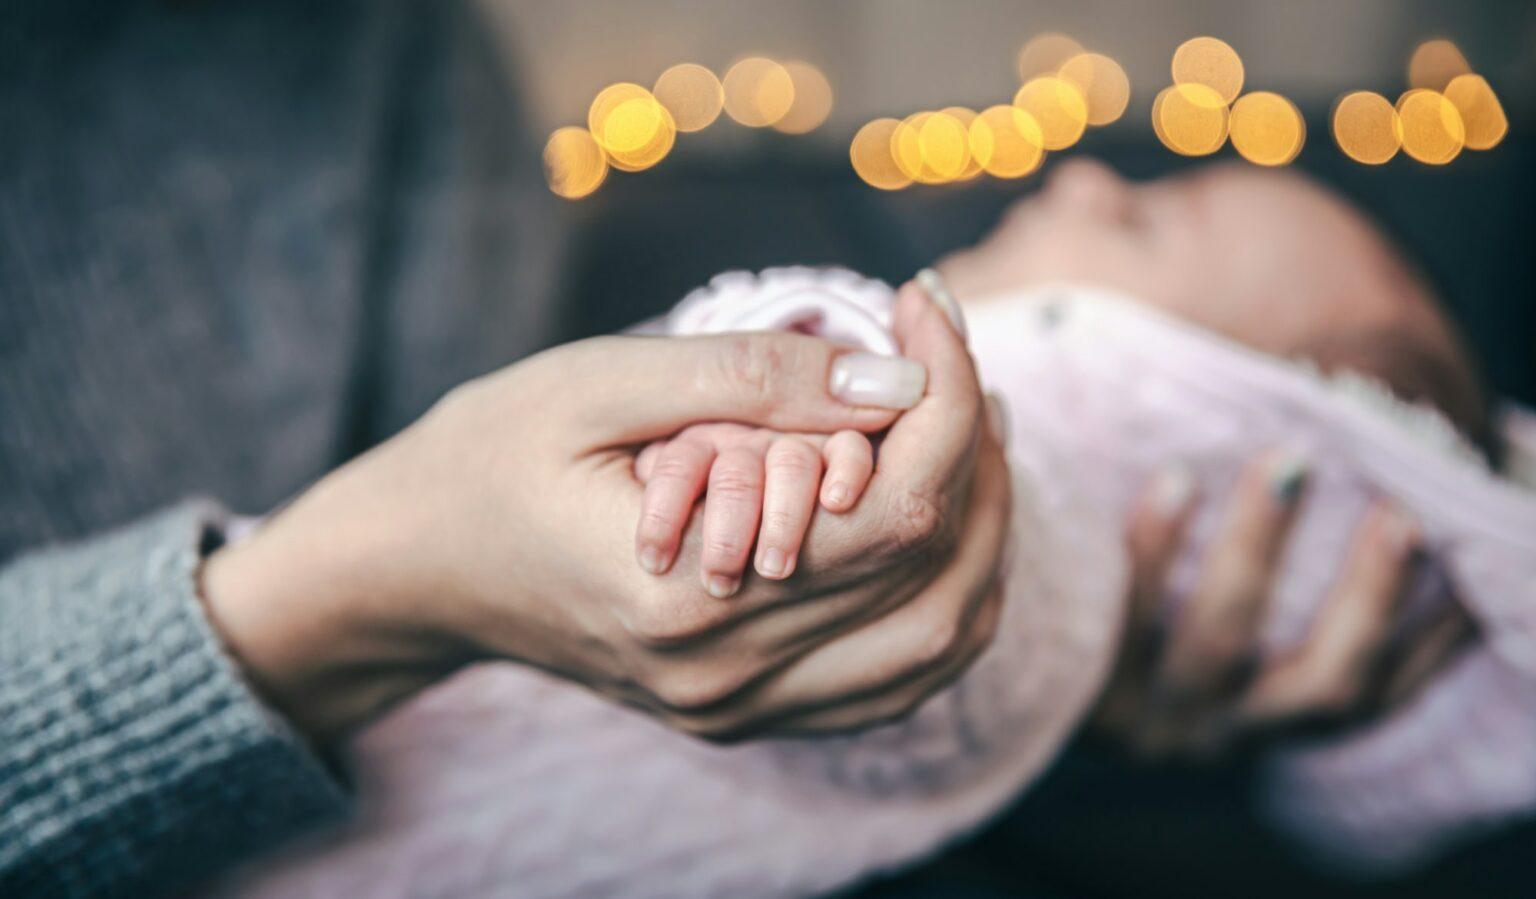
239, 241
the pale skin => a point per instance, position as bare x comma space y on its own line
1277, 262
500, 525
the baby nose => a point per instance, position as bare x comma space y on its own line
1090, 188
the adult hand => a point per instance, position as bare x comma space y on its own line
500, 526
1199, 686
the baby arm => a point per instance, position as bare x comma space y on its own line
758, 486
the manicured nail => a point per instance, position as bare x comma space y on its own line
933, 284
837, 495
1172, 490
1288, 472
1399, 532
653, 559
867, 379
773, 563
997, 418
721, 586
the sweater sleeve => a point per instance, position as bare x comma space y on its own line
133, 757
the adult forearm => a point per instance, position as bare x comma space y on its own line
133, 754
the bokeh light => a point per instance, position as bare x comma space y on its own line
1007, 142
1366, 127
574, 164
758, 92
1044, 54
624, 131
811, 100
966, 117
1210, 62
907, 148
1190, 119
1057, 106
1434, 63
1433, 132
1266, 128
1102, 83
872, 158
629, 124
1480, 110
692, 94
945, 144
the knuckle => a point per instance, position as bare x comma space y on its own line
793, 457
753, 366
778, 522
917, 521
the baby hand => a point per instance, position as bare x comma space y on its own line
749, 475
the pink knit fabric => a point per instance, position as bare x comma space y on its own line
504, 781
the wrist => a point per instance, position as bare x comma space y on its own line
315, 624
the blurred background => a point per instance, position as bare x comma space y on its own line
734, 196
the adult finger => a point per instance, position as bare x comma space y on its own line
929, 444
627, 390
1214, 640
1327, 677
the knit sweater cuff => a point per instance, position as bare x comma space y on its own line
132, 754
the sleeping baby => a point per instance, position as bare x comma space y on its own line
1196, 322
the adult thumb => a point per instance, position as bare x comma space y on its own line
625, 390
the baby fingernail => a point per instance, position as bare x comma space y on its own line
1287, 476
721, 586
1172, 490
773, 563
867, 379
653, 559
933, 284
837, 495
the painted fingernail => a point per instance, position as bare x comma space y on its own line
1399, 532
837, 495
997, 418
653, 560
1288, 472
933, 284
773, 563
1172, 490
867, 379
721, 586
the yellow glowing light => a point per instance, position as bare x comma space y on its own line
1045, 53
573, 163
758, 92
945, 145
812, 99
1057, 106
1433, 132
692, 94
631, 119
1366, 127
1267, 129
907, 149
1190, 119
1434, 64
1007, 142
1211, 62
966, 117
1102, 83
871, 155
636, 128
1481, 112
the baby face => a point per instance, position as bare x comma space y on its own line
1270, 259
